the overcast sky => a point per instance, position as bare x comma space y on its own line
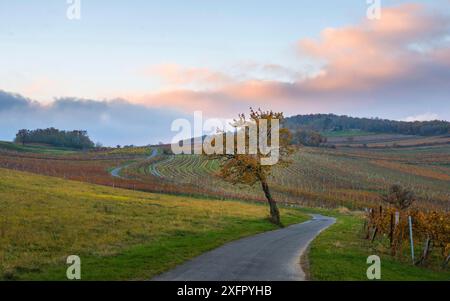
126, 69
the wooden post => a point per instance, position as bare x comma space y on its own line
391, 232
374, 235
368, 222
426, 250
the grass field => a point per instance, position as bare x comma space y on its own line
347, 133
119, 234
39, 149
340, 253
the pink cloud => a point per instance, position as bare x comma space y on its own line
371, 63
176, 75
361, 57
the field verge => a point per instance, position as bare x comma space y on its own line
340, 253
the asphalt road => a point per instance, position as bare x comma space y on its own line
270, 256
116, 171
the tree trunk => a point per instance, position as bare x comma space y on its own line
274, 212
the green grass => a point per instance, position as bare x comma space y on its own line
39, 149
340, 253
119, 234
347, 133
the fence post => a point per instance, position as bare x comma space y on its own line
411, 238
391, 231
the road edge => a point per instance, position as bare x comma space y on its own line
303, 261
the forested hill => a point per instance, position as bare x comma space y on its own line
331, 122
51, 136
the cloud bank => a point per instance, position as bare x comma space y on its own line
397, 68
399, 65
109, 122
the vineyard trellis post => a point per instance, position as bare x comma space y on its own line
375, 231
426, 250
391, 231
411, 238
366, 227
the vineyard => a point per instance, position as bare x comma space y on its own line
355, 178
330, 178
191, 173
431, 230
377, 141
402, 223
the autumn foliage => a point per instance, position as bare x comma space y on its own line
431, 229
247, 168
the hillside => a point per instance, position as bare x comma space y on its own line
350, 177
329, 123
119, 234
353, 177
35, 148
125, 234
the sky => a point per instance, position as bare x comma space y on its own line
126, 69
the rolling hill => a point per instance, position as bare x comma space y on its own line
331, 123
132, 234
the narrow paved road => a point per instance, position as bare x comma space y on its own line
270, 256
154, 170
116, 171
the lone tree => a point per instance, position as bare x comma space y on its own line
248, 168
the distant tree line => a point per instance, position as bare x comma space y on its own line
331, 122
54, 137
